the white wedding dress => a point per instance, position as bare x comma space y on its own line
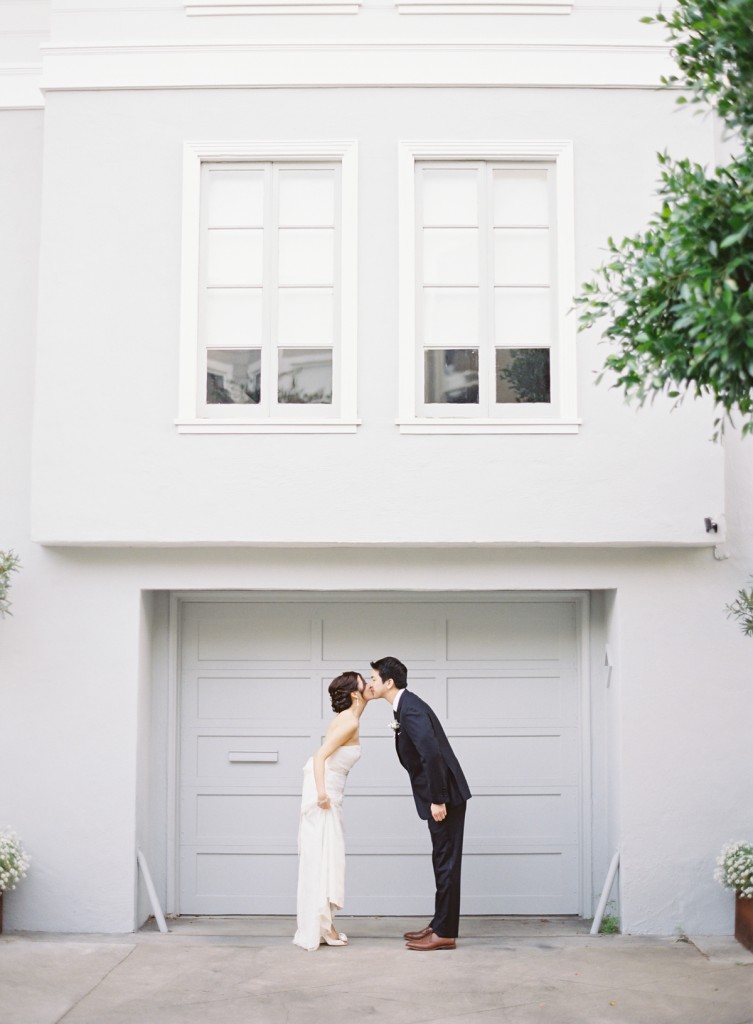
321, 848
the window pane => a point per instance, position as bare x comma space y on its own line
304, 376
234, 257
450, 197
307, 197
233, 376
451, 316
305, 316
236, 199
451, 375
233, 316
306, 257
522, 316
451, 256
521, 256
521, 197
523, 375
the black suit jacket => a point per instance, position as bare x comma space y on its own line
425, 752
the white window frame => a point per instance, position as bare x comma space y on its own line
564, 396
344, 152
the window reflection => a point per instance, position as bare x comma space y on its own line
451, 375
523, 375
233, 376
304, 376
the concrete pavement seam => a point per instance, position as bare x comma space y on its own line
96, 986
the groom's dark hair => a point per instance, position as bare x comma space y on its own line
391, 668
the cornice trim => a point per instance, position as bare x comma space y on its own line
295, 64
221, 45
20, 87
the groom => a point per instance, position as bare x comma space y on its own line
440, 792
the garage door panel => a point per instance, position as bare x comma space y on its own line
254, 632
365, 632
508, 699
264, 879
379, 767
517, 817
254, 698
529, 871
397, 878
390, 817
252, 818
432, 689
504, 632
525, 759
243, 759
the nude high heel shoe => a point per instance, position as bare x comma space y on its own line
341, 940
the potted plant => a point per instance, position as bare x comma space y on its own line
735, 871
14, 863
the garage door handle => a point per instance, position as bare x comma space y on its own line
249, 757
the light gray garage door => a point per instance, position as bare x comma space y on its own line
502, 674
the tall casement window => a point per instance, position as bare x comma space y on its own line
486, 284
269, 289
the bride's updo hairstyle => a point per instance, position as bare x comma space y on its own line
340, 690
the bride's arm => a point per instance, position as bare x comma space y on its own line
342, 730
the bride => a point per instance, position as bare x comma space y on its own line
321, 844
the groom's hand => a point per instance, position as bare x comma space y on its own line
439, 812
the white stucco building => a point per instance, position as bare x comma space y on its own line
290, 383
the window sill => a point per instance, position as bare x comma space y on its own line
488, 426
267, 426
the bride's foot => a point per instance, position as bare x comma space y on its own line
333, 938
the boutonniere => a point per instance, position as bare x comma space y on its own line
395, 726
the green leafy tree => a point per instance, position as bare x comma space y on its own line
678, 297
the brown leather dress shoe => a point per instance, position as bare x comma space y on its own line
431, 941
415, 936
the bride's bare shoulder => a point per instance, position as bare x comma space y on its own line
344, 723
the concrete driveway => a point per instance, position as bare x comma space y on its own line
246, 971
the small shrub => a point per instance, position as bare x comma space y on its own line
14, 861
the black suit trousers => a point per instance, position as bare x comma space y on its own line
447, 857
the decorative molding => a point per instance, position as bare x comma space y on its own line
20, 87
213, 8
194, 154
484, 6
186, 65
624, 6
565, 419
114, 7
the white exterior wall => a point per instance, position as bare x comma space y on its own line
84, 660
108, 342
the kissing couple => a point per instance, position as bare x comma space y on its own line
439, 790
